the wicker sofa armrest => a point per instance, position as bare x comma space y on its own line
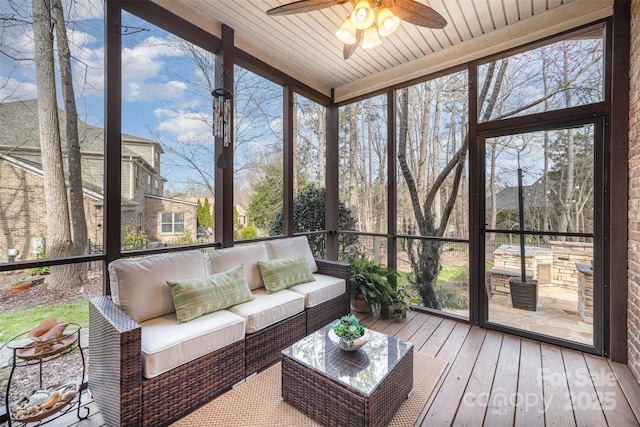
319, 315
115, 363
334, 268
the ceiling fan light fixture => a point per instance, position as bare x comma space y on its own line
370, 38
347, 33
387, 22
369, 19
362, 16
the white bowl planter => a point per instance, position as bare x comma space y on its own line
346, 344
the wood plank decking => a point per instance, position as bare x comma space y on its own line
495, 379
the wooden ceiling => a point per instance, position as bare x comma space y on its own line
305, 46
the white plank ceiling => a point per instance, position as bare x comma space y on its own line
305, 46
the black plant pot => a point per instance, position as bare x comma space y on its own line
524, 295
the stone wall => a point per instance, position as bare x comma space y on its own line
554, 266
585, 292
537, 260
565, 256
633, 313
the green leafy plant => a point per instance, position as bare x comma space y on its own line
400, 296
38, 271
348, 327
186, 238
375, 282
309, 214
134, 238
452, 297
249, 232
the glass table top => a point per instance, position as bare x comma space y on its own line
363, 369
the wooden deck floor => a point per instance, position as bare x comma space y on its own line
495, 379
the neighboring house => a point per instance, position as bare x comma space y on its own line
242, 216
22, 209
507, 198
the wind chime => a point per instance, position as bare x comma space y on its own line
222, 104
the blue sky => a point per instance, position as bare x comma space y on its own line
158, 100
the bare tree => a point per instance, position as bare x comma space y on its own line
74, 168
353, 157
58, 226
310, 147
257, 128
425, 254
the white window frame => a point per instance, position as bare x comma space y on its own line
175, 222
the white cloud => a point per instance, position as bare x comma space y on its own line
141, 71
276, 124
145, 65
147, 92
185, 125
13, 90
79, 39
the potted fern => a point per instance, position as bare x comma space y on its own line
371, 284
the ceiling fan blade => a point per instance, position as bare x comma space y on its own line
418, 14
302, 6
350, 48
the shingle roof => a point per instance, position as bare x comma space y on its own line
19, 129
507, 198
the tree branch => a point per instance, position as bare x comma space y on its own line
402, 157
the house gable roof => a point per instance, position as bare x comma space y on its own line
19, 131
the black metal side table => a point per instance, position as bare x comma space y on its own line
38, 353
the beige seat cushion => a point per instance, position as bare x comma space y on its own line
139, 285
167, 344
322, 290
224, 259
286, 248
267, 309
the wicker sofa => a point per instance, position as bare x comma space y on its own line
146, 369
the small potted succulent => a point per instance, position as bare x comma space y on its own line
348, 334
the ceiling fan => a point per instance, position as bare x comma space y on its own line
370, 19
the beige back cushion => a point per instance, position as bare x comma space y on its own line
139, 285
286, 248
225, 259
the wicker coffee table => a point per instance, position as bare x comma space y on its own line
340, 388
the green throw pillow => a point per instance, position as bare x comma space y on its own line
283, 273
196, 297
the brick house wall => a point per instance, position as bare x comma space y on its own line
155, 206
633, 315
23, 212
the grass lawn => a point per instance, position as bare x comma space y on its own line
16, 322
451, 273
451, 289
